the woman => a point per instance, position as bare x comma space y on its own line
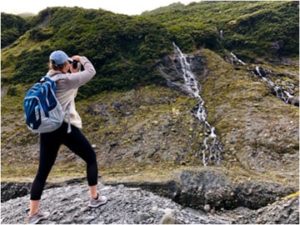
68, 134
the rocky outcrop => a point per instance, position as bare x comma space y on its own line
126, 205
210, 190
11, 190
196, 189
170, 69
285, 211
205, 189
214, 188
68, 205
255, 195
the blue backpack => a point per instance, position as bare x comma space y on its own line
43, 112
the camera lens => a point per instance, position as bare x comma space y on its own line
75, 64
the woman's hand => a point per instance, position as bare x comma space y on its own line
75, 58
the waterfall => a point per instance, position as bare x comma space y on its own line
278, 91
221, 34
212, 147
236, 59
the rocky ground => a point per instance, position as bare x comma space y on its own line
282, 212
204, 197
126, 205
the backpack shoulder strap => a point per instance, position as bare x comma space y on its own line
59, 76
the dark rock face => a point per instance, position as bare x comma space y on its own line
197, 189
125, 205
255, 195
11, 190
14, 190
211, 190
170, 69
281, 212
201, 188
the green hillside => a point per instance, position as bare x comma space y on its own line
249, 28
125, 49
12, 27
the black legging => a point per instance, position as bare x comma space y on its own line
49, 146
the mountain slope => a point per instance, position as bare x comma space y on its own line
134, 119
125, 49
248, 28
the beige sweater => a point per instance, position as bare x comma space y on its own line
67, 88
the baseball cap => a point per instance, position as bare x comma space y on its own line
59, 57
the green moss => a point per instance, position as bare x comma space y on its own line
293, 195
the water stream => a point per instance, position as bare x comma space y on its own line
277, 90
236, 59
212, 147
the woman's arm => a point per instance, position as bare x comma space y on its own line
75, 80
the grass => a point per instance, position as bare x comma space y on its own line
145, 105
135, 172
296, 194
148, 106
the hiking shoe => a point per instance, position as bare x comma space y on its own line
100, 200
35, 218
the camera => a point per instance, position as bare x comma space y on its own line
76, 65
